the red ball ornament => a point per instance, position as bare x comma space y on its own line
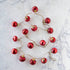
32, 61
52, 39
35, 9
14, 51
43, 60
22, 58
47, 20
34, 27
54, 50
15, 38
30, 45
42, 42
50, 30
14, 24
27, 18
25, 31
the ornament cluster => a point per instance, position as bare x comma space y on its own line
30, 45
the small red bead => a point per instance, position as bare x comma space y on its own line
22, 58
52, 39
25, 31
32, 61
15, 38
30, 45
27, 18
54, 50
43, 60
47, 20
50, 30
42, 42
35, 9
34, 27
14, 51
14, 24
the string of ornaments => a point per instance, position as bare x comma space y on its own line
32, 44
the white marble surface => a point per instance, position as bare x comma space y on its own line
57, 10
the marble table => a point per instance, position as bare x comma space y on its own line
57, 10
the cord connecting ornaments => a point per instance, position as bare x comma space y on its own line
32, 44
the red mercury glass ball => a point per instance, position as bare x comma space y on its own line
15, 38
14, 24
42, 42
22, 58
35, 9
43, 60
32, 61
52, 39
47, 20
14, 51
34, 27
25, 31
54, 50
27, 18
30, 45
50, 30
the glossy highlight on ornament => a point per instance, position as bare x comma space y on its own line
52, 39
32, 61
43, 60
30, 45
15, 38
54, 50
42, 42
34, 27
14, 24
25, 31
14, 51
47, 20
50, 30
35, 9
22, 58
27, 18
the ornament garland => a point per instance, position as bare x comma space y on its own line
30, 45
